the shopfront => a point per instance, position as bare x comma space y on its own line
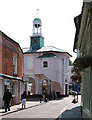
16, 87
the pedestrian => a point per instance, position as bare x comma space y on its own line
7, 98
23, 98
28, 93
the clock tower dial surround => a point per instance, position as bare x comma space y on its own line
36, 42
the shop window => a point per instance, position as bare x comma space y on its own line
12, 88
45, 64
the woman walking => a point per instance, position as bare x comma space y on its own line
23, 97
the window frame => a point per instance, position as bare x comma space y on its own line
14, 65
45, 64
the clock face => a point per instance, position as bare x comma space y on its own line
35, 40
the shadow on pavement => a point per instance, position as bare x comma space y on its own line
72, 114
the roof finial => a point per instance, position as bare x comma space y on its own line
37, 12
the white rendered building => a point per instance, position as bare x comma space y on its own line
46, 68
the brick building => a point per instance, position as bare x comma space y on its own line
11, 68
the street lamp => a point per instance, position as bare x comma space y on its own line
50, 88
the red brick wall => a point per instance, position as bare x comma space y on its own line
56, 86
0, 52
10, 49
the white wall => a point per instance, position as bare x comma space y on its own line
16, 90
29, 65
54, 71
34, 65
22, 88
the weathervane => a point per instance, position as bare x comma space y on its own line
37, 11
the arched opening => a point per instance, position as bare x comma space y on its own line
31, 86
44, 86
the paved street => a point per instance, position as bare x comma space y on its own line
52, 109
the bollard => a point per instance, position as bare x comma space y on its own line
40, 101
43, 97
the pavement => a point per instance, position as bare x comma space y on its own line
70, 111
18, 107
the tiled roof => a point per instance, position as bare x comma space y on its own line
46, 49
49, 55
50, 48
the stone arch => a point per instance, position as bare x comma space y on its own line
45, 86
31, 85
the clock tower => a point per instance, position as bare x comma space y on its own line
36, 40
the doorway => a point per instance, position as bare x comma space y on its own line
66, 90
44, 86
31, 86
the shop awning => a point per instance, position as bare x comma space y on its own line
11, 77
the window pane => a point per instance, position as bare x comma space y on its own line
15, 64
45, 64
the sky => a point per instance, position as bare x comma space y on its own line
57, 16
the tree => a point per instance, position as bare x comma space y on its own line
76, 77
70, 62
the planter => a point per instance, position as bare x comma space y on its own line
83, 62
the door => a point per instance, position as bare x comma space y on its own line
66, 92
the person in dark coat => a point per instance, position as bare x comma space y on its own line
23, 98
7, 98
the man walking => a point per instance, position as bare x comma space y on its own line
7, 98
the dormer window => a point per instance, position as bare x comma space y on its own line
15, 65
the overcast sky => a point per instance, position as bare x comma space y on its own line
57, 16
